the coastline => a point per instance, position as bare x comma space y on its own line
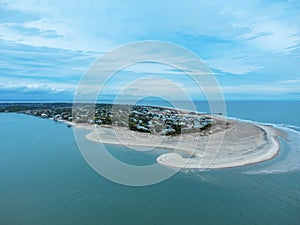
246, 158
244, 143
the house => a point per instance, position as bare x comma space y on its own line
168, 131
142, 128
44, 115
57, 117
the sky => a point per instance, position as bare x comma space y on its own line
251, 47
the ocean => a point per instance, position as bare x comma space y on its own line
45, 180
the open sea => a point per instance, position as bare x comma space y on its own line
46, 181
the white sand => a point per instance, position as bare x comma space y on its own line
243, 143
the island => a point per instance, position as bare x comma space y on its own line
196, 140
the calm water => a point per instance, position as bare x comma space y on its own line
44, 180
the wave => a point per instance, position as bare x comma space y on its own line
288, 159
280, 126
276, 125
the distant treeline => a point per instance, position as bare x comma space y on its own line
19, 107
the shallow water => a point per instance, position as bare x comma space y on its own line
45, 180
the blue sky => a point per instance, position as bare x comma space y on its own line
252, 47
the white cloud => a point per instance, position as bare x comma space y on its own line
292, 81
232, 66
261, 89
57, 17
273, 36
253, 37
99, 25
31, 84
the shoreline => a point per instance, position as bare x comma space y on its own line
244, 144
271, 137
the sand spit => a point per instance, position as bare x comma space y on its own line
242, 144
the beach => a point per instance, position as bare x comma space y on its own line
241, 144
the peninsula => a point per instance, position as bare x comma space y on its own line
195, 140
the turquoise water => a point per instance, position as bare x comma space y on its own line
45, 180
